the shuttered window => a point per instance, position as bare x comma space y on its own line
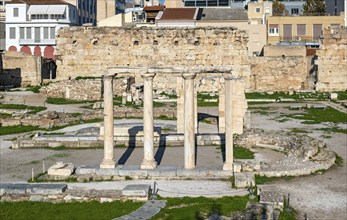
301, 29
52, 32
287, 32
12, 33
21, 33
317, 31
28, 30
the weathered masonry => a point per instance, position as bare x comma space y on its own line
87, 51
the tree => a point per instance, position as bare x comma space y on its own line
278, 8
314, 7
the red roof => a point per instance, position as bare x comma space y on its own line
179, 14
154, 8
39, 2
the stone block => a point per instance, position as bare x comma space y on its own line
85, 170
237, 167
243, 180
47, 189
333, 96
132, 171
136, 190
274, 198
61, 169
196, 172
163, 171
35, 198
107, 172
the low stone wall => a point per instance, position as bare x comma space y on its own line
304, 155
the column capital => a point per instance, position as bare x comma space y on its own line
109, 76
188, 75
147, 75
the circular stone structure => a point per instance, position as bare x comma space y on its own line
304, 155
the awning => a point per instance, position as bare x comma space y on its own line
56, 9
47, 9
38, 9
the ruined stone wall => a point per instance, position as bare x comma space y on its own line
332, 61
90, 51
29, 66
280, 74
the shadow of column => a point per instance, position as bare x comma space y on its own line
132, 132
162, 146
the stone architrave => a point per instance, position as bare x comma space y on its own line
229, 148
189, 121
108, 161
148, 125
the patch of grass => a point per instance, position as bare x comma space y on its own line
206, 104
34, 89
333, 130
87, 107
342, 95
201, 207
171, 96
243, 153
282, 120
63, 101
165, 117
17, 129
310, 122
32, 109
5, 115
34, 162
239, 152
87, 77
285, 215
325, 136
338, 160
76, 114
322, 115
158, 104
70, 210
259, 180
298, 130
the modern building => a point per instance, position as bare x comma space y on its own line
2, 23
32, 25
335, 7
300, 30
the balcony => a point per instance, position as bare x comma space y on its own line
37, 42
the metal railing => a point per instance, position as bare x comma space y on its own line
37, 42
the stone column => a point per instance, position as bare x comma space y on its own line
229, 148
189, 119
108, 161
148, 127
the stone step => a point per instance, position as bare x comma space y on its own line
32, 188
147, 211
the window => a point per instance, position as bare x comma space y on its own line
28, 30
45, 33
21, 33
15, 12
12, 33
273, 29
257, 10
301, 29
295, 11
52, 32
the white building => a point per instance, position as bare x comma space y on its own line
31, 25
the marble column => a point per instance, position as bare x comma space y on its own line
229, 148
189, 121
108, 161
148, 125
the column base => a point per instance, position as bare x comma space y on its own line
189, 167
108, 164
228, 166
148, 164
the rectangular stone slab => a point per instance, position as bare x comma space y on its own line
31, 188
136, 190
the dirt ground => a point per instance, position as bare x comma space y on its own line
320, 196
